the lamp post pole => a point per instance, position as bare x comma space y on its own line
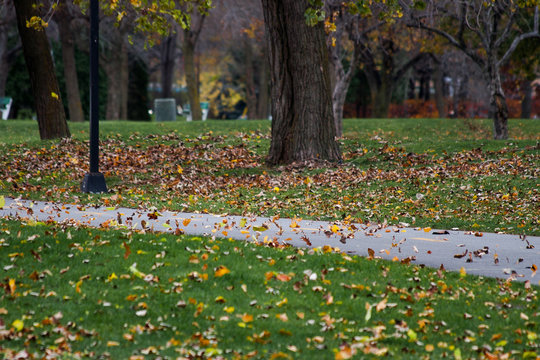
94, 181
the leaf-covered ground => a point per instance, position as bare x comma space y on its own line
74, 293
437, 173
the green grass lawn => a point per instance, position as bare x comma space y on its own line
73, 293
441, 173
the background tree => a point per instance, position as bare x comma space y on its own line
64, 16
10, 45
302, 119
343, 29
488, 33
168, 59
49, 108
191, 36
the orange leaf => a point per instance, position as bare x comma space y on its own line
221, 270
283, 277
247, 318
186, 222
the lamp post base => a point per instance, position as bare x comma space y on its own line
94, 183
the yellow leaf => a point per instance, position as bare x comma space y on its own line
222, 270
229, 309
18, 325
462, 272
112, 277
113, 343
179, 169
78, 286
12, 286
428, 229
54, 95
335, 228
2, 201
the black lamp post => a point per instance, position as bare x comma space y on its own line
94, 181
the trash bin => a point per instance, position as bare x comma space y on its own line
165, 109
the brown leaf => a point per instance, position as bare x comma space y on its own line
128, 250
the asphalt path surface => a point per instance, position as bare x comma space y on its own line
496, 255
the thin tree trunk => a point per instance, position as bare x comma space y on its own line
381, 99
191, 77
70, 69
114, 94
251, 96
498, 106
439, 84
263, 101
302, 120
4, 64
526, 103
168, 49
50, 111
124, 81
341, 86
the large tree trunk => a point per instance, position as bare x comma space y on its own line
191, 76
498, 106
168, 50
70, 69
302, 119
37, 54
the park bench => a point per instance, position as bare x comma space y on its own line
205, 107
5, 106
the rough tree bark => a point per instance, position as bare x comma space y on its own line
63, 19
49, 109
302, 119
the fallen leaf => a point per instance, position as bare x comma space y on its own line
221, 270
128, 250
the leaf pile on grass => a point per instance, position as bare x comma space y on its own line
494, 188
75, 293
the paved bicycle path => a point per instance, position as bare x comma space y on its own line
495, 255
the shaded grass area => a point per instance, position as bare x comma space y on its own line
76, 292
439, 173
